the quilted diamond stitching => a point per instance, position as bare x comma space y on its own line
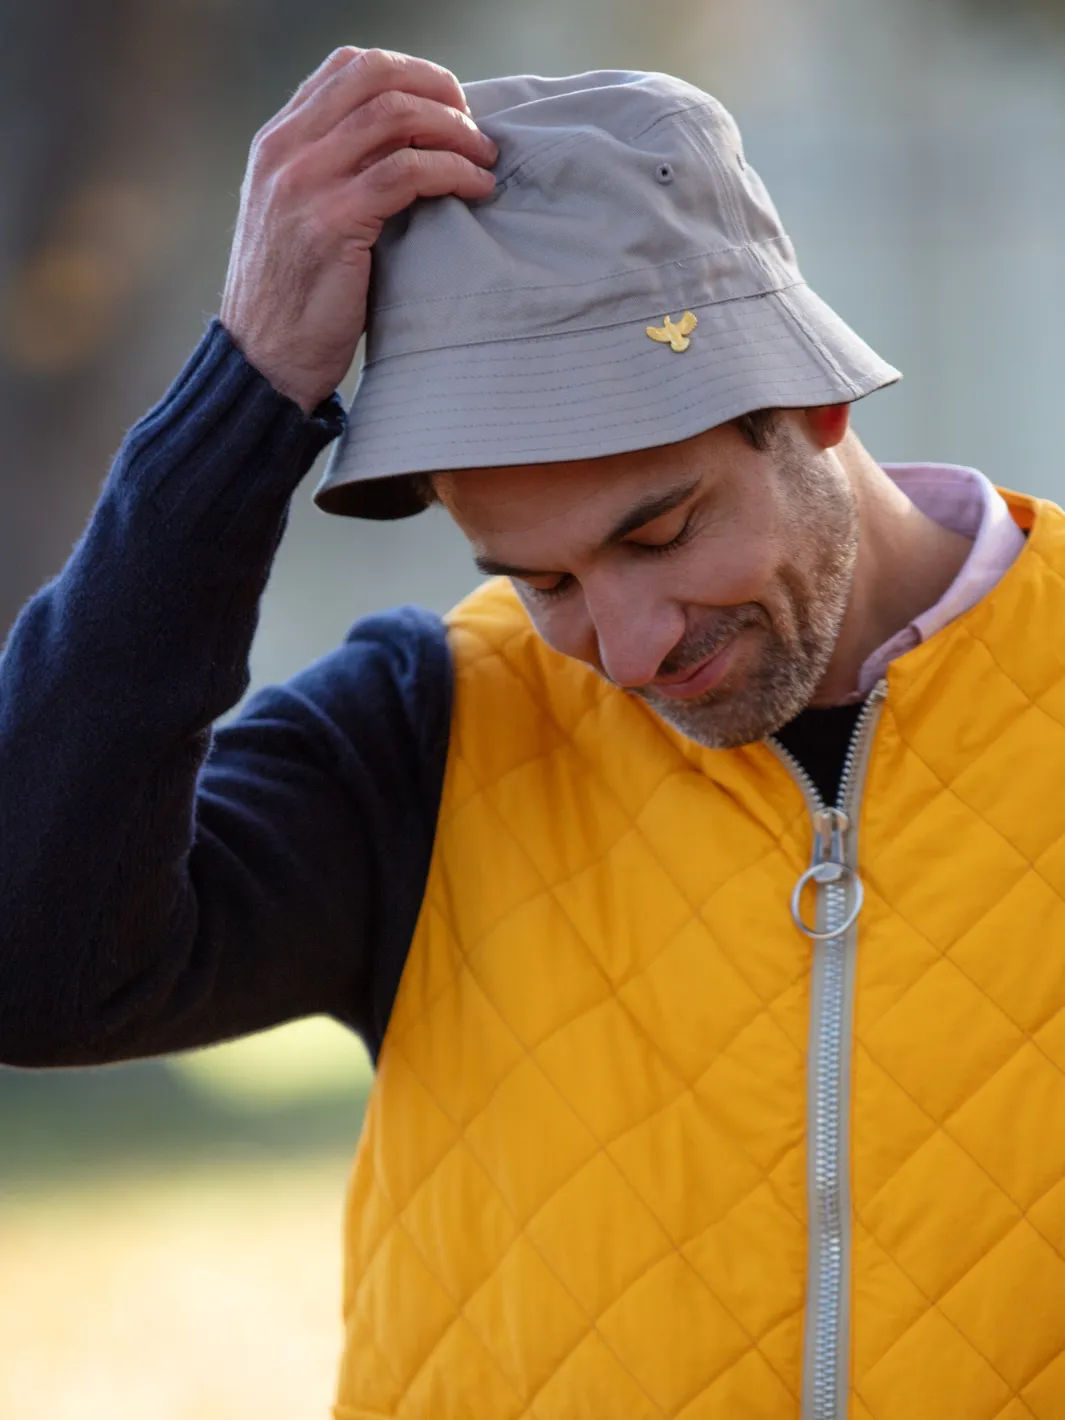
934, 1306
1011, 1410
648, 1039
695, 907
1025, 1038
947, 787
946, 791
770, 851
976, 986
594, 770
461, 1303
944, 1129
1030, 1382
1034, 1024
868, 1400
602, 1148
521, 1233
452, 1322
704, 909
978, 1261
1054, 673
973, 1092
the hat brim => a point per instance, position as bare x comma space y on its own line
587, 394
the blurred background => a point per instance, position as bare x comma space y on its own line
169, 1231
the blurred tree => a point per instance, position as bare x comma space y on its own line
84, 105
123, 131
124, 127
1041, 19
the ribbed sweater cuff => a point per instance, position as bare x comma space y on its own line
223, 450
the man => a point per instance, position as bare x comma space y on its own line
696, 887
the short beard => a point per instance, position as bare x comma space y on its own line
797, 646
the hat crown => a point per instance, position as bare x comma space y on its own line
515, 330
620, 196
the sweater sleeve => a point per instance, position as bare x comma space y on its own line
163, 885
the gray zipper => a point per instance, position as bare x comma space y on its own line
833, 872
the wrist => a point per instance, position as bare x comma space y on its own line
240, 445
308, 392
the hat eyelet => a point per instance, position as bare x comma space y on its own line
664, 173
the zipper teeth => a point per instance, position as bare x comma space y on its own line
826, 1204
807, 785
871, 707
811, 793
828, 1163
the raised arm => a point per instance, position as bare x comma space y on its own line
154, 895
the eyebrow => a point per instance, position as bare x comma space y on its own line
644, 512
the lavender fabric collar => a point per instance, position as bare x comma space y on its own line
963, 500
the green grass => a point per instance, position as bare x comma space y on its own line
286, 1093
170, 1232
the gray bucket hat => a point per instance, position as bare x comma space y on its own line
628, 284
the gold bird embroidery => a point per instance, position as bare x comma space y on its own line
674, 332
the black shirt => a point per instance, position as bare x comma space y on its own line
819, 740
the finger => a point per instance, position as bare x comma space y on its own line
369, 73
397, 119
329, 66
408, 173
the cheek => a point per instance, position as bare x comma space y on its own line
730, 571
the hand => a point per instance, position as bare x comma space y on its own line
367, 133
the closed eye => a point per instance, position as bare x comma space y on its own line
674, 542
567, 581
557, 589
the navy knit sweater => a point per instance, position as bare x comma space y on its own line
163, 885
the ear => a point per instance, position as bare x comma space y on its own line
828, 424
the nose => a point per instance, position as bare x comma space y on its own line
633, 635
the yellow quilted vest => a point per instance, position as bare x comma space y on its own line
638, 1146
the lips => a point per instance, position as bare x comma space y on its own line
701, 678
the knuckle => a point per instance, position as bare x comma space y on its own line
343, 54
395, 104
266, 146
399, 167
448, 80
405, 162
290, 183
381, 63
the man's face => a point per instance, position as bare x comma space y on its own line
708, 577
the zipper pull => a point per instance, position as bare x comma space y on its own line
829, 869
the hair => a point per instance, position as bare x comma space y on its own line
421, 485
757, 427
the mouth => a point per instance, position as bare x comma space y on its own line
697, 680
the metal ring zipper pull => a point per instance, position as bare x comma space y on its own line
827, 873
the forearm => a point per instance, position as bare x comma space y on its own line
130, 920
109, 683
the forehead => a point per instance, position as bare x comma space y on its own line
563, 501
